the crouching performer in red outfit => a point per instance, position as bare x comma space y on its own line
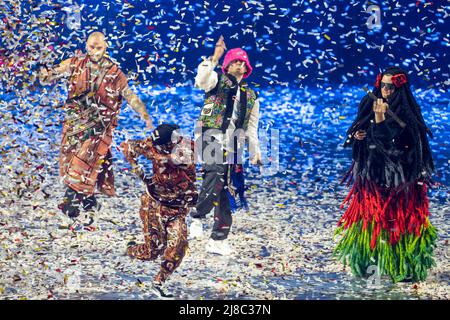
169, 194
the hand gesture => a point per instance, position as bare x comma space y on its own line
124, 147
360, 135
256, 159
379, 108
129, 155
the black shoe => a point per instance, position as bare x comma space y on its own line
69, 210
71, 203
160, 291
91, 204
131, 243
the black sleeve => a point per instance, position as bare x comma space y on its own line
383, 132
382, 156
386, 131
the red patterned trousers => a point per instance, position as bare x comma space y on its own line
165, 235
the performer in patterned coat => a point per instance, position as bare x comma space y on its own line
97, 87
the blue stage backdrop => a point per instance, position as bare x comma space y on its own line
310, 60
289, 42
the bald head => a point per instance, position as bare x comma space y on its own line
96, 35
96, 46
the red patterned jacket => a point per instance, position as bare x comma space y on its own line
173, 179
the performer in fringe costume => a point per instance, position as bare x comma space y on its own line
386, 222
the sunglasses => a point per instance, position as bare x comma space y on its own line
389, 86
237, 61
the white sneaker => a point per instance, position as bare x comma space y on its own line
221, 247
196, 229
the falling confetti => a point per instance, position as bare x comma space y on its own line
310, 60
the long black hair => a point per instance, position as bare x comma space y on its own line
415, 160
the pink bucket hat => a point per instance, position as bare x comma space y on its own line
237, 54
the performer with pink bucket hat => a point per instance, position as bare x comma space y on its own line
230, 114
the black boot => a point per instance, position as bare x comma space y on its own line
90, 203
71, 203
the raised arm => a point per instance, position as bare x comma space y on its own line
47, 76
206, 78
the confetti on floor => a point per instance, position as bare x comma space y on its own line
310, 61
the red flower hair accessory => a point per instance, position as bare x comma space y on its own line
378, 81
399, 79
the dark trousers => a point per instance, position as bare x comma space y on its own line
214, 194
74, 201
238, 179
